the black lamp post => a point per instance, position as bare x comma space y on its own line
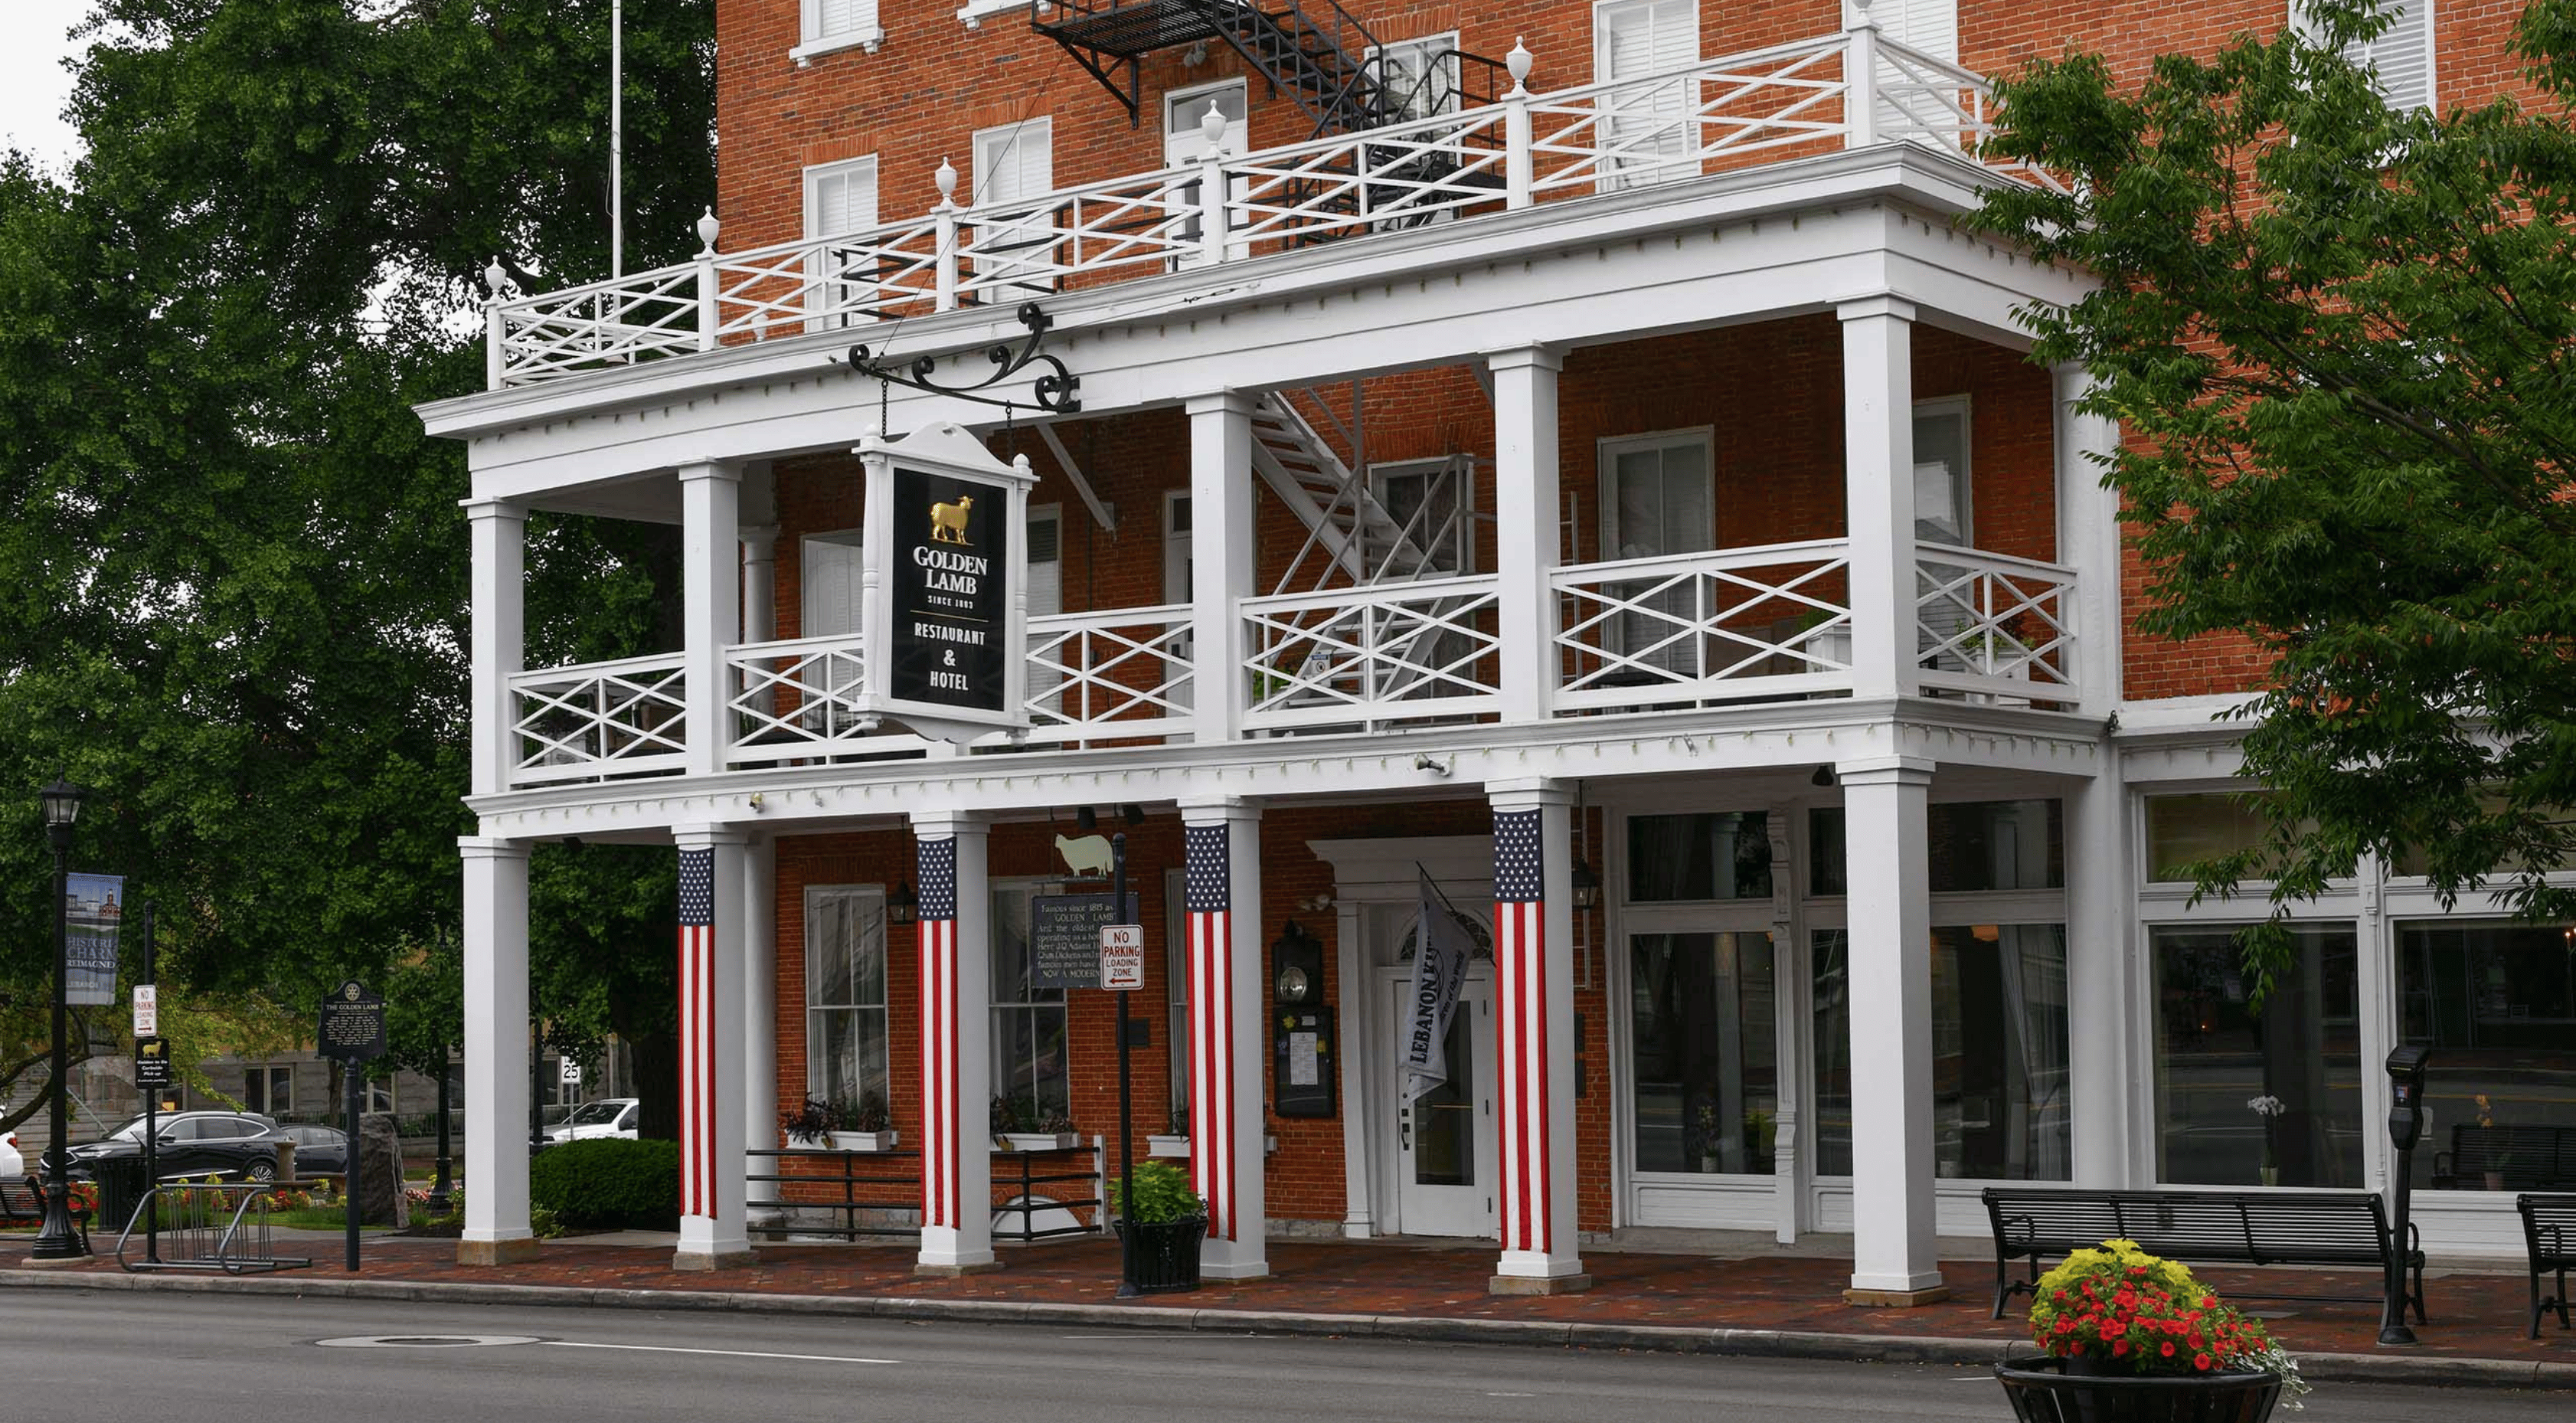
58, 1240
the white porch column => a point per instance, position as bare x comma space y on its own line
711, 567
500, 594
1535, 1047
2088, 539
1889, 983
1221, 557
956, 944
1229, 1009
496, 1048
760, 1014
1526, 534
1878, 492
712, 874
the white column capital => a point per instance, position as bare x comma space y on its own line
1513, 358
1529, 793
2071, 378
759, 542
1885, 771
491, 847
1863, 307
1219, 809
708, 836
696, 470
480, 510
1221, 402
948, 824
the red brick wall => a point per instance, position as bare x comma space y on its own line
1305, 1176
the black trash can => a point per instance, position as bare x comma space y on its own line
1163, 1256
122, 1185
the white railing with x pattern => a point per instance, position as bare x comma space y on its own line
1994, 626
1848, 89
600, 719
1118, 675
1374, 656
1725, 625
797, 700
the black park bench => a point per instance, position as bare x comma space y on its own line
2199, 1227
21, 1201
2549, 1233
2507, 1156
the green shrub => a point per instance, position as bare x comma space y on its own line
608, 1183
1162, 1194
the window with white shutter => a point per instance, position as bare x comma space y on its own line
828, 572
1926, 26
1012, 163
827, 25
1649, 129
2401, 59
840, 200
1908, 105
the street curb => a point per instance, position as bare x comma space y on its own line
2435, 1371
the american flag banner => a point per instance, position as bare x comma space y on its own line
937, 868
1208, 895
1520, 993
698, 1067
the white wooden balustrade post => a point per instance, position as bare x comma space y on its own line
944, 275
711, 572
1520, 158
710, 318
1212, 185
496, 328
1860, 79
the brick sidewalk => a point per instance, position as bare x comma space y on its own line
2475, 1315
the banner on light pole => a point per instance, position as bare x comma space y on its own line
93, 916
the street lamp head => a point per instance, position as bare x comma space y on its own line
62, 801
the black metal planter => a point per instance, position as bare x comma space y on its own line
1161, 1256
2042, 1392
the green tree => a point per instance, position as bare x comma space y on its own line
232, 573
2338, 338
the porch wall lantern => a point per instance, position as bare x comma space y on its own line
903, 907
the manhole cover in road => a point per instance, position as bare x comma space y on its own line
427, 1341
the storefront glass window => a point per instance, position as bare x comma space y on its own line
2184, 828
2217, 1058
1030, 1070
1706, 1060
1726, 856
2496, 1003
1976, 845
1999, 1052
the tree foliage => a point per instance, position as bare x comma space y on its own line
232, 572
2339, 340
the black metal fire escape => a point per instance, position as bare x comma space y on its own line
1313, 50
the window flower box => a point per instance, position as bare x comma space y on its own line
1042, 1140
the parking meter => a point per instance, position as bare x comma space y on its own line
2406, 1097
2405, 1127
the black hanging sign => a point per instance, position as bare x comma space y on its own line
945, 599
151, 1062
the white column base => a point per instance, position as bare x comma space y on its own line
945, 1251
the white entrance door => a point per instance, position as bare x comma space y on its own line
1444, 1140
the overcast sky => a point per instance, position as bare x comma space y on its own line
33, 82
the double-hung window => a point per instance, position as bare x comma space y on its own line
1913, 100
2400, 59
845, 993
1648, 130
840, 201
1015, 252
824, 26
1030, 1070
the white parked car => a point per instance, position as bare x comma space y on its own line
609, 1116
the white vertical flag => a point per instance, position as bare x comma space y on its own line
1441, 951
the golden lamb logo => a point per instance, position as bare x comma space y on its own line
948, 521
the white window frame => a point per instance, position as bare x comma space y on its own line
1177, 544
1644, 171
988, 148
1459, 542
805, 587
1610, 447
818, 269
813, 43
1025, 888
863, 896
1427, 48
978, 11
1964, 477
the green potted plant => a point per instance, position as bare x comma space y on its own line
2132, 1336
863, 1124
809, 1125
1160, 1225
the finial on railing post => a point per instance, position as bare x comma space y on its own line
1520, 143
708, 228
944, 239
1860, 80
495, 277
1212, 125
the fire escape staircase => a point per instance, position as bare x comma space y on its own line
1313, 50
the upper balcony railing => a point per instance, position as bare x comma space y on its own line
1673, 633
1850, 89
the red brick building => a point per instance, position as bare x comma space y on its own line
1570, 452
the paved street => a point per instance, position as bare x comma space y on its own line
310, 1361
